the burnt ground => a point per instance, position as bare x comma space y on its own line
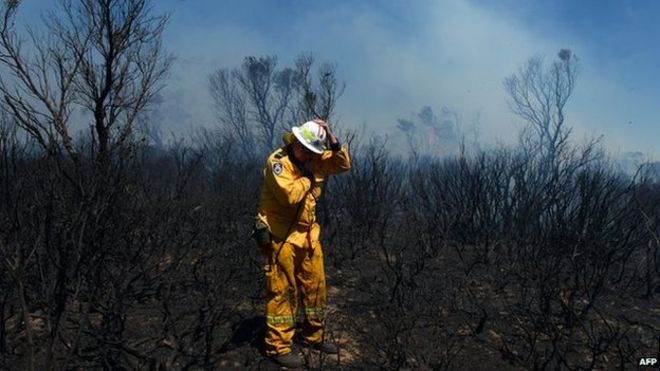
453, 320
473, 341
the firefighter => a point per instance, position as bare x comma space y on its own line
288, 232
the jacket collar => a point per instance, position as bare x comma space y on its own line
292, 157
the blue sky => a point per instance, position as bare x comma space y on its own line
397, 56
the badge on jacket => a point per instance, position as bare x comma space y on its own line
277, 168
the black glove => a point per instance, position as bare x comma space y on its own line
335, 146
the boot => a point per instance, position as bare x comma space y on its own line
324, 346
290, 360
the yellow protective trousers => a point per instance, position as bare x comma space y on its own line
291, 270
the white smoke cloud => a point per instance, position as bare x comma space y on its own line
396, 58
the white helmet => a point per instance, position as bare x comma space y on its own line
311, 135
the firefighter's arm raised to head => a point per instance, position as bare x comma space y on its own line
287, 188
337, 159
334, 161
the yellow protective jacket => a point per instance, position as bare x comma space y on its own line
284, 187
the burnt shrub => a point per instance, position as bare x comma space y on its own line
146, 261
